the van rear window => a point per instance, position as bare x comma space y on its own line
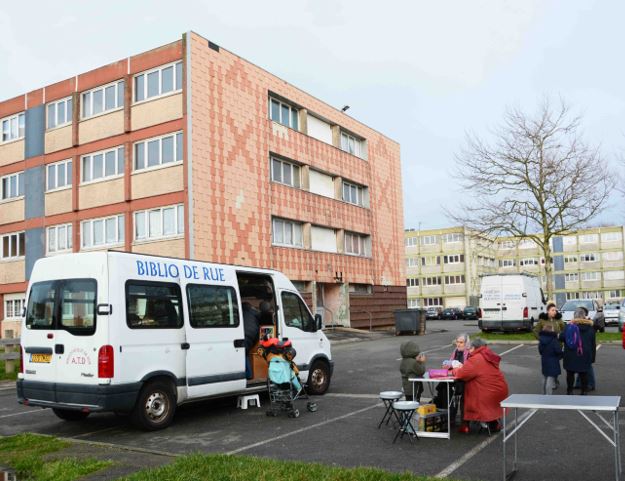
40, 312
153, 305
67, 304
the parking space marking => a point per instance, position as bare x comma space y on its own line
471, 453
438, 348
32, 411
599, 346
510, 350
301, 430
348, 395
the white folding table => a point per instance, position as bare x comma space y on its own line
435, 380
585, 405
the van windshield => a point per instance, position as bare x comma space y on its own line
68, 304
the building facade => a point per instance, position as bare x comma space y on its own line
587, 263
190, 151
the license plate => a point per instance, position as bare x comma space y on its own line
41, 358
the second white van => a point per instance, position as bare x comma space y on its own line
135, 334
510, 302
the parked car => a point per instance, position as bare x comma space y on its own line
433, 312
471, 312
621, 318
568, 308
611, 312
452, 313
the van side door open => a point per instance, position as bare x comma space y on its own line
215, 362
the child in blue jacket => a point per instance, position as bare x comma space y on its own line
550, 355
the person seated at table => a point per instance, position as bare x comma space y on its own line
462, 343
485, 386
412, 365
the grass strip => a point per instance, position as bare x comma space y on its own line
219, 467
527, 336
10, 376
25, 453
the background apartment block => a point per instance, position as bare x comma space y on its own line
190, 151
586, 264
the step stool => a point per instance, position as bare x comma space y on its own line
244, 401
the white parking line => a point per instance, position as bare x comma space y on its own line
510, 350
32, 411
470, 454
301, 430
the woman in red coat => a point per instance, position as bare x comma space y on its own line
485, 387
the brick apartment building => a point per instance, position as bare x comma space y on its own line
188, 150
444, 265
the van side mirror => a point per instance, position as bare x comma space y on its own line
318, 322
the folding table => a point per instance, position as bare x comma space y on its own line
585, 405
436, 380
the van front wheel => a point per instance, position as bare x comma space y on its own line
155, 406
318, 378
70, 414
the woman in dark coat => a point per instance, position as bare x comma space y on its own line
550, 355
578, 359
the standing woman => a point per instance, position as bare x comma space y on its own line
552, 317
579, 349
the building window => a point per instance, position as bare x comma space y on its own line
12, 186
157, 82
611, 237
351, 144
13, 246
411, 241
432, 301
286, 233
613, 275
100, 165
528, 262
13, 127
615, 294
412, 282
60, 113
591, 276
102, 99
507, 244
571, 277
451, 280
588, 239
570, 240
59, 175
570, 259
159, 223
14, 306
453, 259
432, 281
356, 244
412, 303
427, 240
284, 172
572, 296
103, 232
527, 244
412, 261
59, 238
507, 262
590, 257
283, 113
158, 151
613, 256
452, 238
590, 295
353, 194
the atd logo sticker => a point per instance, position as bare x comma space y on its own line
78, 357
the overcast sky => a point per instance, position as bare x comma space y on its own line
422, 72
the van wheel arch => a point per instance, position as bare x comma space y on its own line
156, 404
319, 376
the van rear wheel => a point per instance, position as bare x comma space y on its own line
70, 414
155, 406
318, 378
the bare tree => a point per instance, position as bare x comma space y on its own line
535, 180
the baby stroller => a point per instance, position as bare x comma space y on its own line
282, 382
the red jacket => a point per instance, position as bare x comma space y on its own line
485, 386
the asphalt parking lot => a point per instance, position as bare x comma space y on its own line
344, 429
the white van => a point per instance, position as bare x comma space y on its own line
510, 302
113, 331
